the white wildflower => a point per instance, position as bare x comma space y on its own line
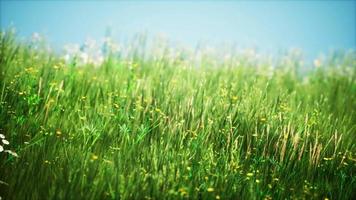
2, 136
83, 57
1, 148
11, 153
5, 141
98, 60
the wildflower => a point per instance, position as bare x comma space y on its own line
1, 148
5, 141
210, 189
257, 181
267, 197
47, 162
327, 159
84, 57
2, 136
58, 133
217, 197
94, 157
249, 174
11, 153
182, 191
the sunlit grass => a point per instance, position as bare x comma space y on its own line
169, 128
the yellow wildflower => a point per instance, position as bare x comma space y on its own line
94, 157
249, 174
327, 159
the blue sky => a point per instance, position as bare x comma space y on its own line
314, 26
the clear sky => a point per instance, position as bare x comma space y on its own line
314, 26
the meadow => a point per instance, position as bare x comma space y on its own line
142, 126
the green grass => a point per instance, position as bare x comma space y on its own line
165, 129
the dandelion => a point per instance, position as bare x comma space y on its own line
210, 189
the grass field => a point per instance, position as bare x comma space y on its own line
140, 127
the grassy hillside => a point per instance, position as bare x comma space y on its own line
140, 127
